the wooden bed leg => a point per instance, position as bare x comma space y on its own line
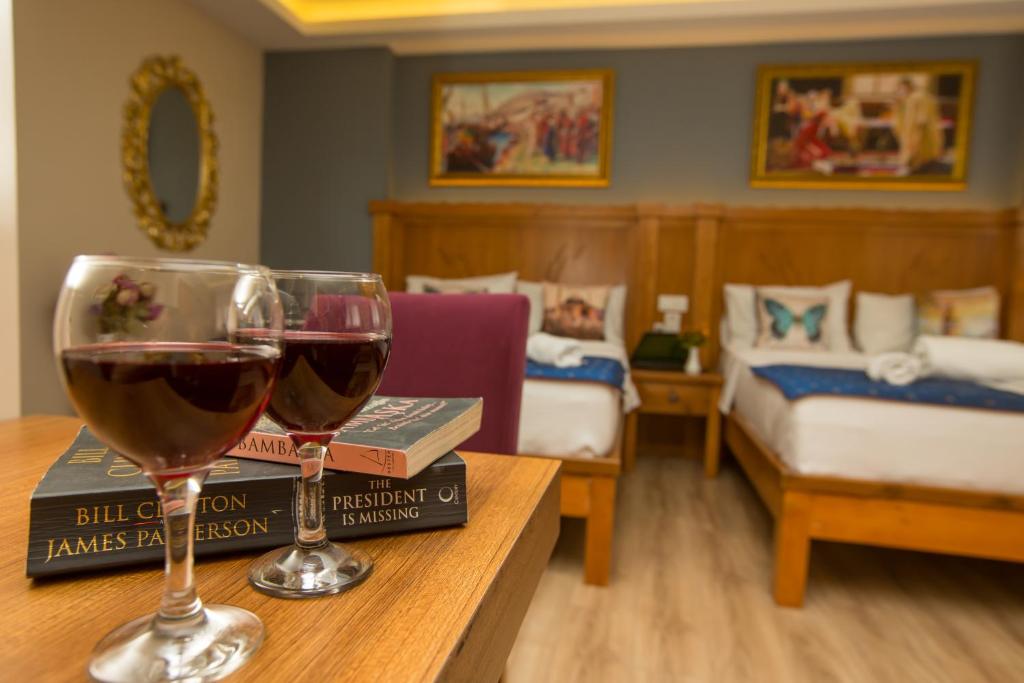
713, 438
792, 549
629, 443
597, 554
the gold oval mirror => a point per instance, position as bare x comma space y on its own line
169, 152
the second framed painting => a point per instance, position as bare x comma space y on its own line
534, 128
863, 126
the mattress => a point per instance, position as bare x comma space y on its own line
875, 440
580, 419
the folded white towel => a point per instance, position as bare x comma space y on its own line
895, 368
562, 352
993, 362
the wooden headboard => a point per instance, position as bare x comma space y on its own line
693, 250
880, 250
583, 245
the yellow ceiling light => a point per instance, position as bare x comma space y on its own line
312, 12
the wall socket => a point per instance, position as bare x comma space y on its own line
671, 307
676, 303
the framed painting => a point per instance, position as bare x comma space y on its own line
863, 126
539, 128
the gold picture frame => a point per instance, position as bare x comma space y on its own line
526, 156
154, 76
892, 126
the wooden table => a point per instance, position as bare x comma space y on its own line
664, 392
441, 605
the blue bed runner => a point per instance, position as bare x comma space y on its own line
604, 370
799, 381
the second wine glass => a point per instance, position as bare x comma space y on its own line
336, 343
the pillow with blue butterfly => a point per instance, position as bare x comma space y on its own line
791, 321
741, 311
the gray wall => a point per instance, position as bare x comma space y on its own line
327, 149
684, 118
682, 133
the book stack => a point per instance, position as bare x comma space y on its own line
392, 469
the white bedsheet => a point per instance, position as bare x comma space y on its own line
568, 418
576, 418
875, 440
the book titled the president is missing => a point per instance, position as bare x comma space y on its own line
390, 437
95, 509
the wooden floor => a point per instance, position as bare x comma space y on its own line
690, 600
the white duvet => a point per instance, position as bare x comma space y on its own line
876, 440
576, 418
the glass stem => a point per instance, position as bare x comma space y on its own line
309, 501
178, 498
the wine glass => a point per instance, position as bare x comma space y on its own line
336, 343
162, 360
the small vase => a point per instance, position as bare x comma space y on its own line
693, 361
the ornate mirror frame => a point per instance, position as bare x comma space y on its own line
154, 76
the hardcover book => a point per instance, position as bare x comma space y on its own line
390, 437
95, 509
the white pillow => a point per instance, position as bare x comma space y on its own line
615, 316
724, 333
502, 283
534, 291
614, 312
741, 312
884, 322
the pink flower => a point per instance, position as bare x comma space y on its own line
127, 297
153, 312
147, 290
122, 281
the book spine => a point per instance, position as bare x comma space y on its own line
341, 457
362, 505
96, 531
125, 527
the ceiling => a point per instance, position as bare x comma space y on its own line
440, 26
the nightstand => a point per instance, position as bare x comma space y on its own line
667, 392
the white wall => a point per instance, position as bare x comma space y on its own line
10, 388
72, 65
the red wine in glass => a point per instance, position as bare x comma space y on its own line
175, 407
337, 338
325, 378
153, 355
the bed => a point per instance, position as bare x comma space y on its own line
912, 444
562, 417
580, 424
919, 477
868, 471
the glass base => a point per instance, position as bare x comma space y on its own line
296, 572
206, 647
